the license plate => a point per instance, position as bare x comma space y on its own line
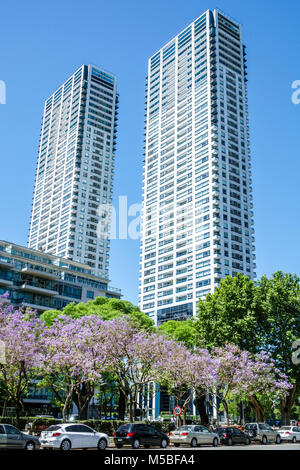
119, 440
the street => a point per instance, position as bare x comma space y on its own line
282, 446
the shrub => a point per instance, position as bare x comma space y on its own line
106, 426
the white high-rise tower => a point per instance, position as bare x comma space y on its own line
197, 204
75, 169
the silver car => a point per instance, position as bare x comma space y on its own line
262, 432
193, 435
290, 433
12, 438
73, 436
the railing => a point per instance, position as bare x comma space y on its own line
116, 290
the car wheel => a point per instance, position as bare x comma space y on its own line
30, 445
65, 445
278, 439
215, 442
194, 442
248, 441
294, 440
147, 446
176, 444
119, 446
264, 440
102, 444
229, 442
164, 443
136, 444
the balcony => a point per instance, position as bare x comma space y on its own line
38, 273
35, 306
216, 237
38, 289
5, 282
6, 263
114, 290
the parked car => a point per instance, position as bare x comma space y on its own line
232, 435
73, 436
290, 433
193, 435
262, 432
12, 438
137, 434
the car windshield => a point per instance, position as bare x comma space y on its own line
123, 428
53, 428
185, 428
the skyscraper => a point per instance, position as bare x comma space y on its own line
75, 169
197, 205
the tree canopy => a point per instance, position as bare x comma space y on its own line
108, 309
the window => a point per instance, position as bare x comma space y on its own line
82, 428
12, 430
90, 294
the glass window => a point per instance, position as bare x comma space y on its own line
53, 428
82, 428
11, 430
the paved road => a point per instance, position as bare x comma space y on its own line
254, 446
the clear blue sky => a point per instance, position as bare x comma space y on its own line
43, 42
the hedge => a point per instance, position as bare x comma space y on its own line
107, 426
23, 420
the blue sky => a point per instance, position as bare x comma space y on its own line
42, 43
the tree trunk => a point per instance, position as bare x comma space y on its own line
287, 404
258, 409
184, 417
242, 413
4, 408
83, 411
225, 404
199, 402
65, 408
131, 408
122, 405
18, 413
81, 397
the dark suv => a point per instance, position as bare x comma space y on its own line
232, 435
140, 434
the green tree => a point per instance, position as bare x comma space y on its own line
256, 316
231, 314
108, 309
181, 331
280, 296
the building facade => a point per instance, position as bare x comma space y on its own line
197, 222
30, 278
75, 168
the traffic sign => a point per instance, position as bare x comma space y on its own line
177, 411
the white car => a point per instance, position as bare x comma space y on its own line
290, 433
193, 435
73, 436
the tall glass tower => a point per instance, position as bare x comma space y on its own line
75, 169
197, 204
